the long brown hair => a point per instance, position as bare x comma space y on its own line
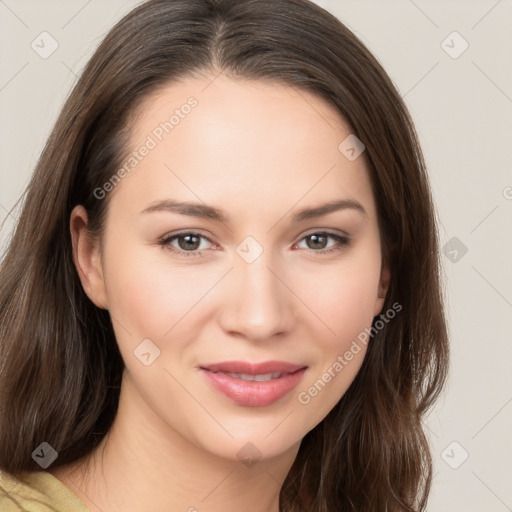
61, 369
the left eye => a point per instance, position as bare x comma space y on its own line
318, 241
189, 244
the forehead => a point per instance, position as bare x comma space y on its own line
221, 139
254, 112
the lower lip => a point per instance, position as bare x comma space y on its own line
252, 393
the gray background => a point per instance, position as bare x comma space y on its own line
461, 103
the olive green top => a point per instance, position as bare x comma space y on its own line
37, 491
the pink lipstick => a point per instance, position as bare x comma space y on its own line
254, 384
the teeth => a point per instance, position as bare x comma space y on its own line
258, 378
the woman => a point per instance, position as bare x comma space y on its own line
223, 291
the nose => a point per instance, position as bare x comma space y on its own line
258, 304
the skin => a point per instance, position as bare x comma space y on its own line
260, 152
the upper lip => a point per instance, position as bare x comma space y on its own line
249, 368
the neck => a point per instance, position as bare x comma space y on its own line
144, 464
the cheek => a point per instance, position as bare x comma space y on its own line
341, 296
345, 305
148, 296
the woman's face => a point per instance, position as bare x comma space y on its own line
210, 258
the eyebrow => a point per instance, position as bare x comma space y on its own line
209, 212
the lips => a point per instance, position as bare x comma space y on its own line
254, 368
253, 384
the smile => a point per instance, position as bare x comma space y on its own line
253, 385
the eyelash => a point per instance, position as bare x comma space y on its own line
165, 242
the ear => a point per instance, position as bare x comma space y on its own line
86, 257
385, 278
